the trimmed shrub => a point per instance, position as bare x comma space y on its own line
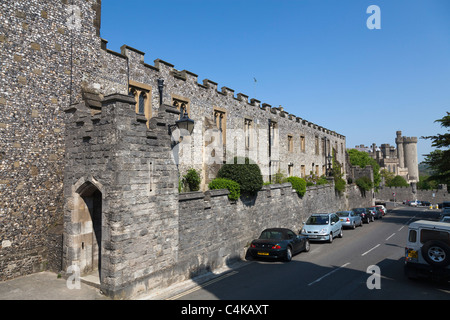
298, 184
232, 186
364, 183
245, 172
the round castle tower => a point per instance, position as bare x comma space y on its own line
400, 151
407, 156
410, 153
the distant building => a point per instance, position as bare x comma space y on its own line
402, 161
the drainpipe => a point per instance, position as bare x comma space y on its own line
270, 151
160, 89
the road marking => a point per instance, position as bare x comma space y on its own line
329, 273
390, 236
196, 288
370, 250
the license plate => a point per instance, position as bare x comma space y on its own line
263, 253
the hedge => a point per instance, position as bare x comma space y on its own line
232, 186
298, 184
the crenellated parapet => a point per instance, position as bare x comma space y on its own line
139, 70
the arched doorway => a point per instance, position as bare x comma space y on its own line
88, 218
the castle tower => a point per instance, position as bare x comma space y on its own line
400, 150
411, 162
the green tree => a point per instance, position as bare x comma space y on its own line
388, 176
398, 181
364, 184
362, 159
192, 180
439, 159
339, 182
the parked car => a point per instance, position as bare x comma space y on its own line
427, 251
378, 214
323, 227
414, 203
445, 213
383, 208
364, 213
278, 243
349, 219
445, 219
426, 203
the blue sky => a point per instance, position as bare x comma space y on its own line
316, 58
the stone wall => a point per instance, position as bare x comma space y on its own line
407, 193
44, 63
214, 231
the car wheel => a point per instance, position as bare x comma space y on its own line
330, 240
353, 226
307, 245
373, 218
341, 234
288, 254
436, 253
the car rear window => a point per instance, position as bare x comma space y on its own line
427, 235
343, 214
271, 234
412, 236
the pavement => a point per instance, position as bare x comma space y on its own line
46, 286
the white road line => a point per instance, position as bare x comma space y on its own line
196, 288
329, 273
370, 250
390, 236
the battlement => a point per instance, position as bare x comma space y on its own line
164, 69
410, 140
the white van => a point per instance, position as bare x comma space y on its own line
427, 251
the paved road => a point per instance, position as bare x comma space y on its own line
333, 271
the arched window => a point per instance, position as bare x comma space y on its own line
142, 98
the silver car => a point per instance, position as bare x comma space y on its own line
349, 219
322, 227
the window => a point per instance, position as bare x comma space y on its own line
290, 144
290, 170
317, 144
273, 133
141, 105
247, 132
412, 236
182, 105
142, 95
220, 120
427, 235
302, 143
302, 171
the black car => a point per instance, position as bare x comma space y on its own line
278, 243
365, 214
